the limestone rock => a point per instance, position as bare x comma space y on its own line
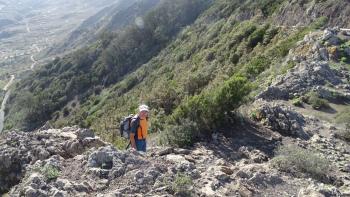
282, 119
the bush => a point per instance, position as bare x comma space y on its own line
120, 143
294, 159
297, 102
256, 37
65, 111
288, 66
182, 134
257, 66
166, 96
269, 35
234, 58
316, 102
182, 185
207, 111
344, 134
268, 7
195, 83
50, 172
210, 57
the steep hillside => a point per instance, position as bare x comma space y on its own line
110, 19
229, 45
251, 101
89, 70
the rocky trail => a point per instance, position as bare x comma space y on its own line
34, 62
74, 162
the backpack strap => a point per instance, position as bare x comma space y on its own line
134, 128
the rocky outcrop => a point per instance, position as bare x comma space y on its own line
228, 167
282, 119
320, 66
312, 71
19, 150
299, 12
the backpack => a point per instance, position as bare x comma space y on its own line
125, 126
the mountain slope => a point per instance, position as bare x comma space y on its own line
189, 65
103, 63
110, 19
259, 100
206, 54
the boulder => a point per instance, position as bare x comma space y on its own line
273, 93
165, 151
318, 190
84, 133
324, 54
226, 170
102, 158
282, 119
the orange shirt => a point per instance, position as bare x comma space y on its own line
142, 131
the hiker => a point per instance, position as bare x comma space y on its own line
139, 129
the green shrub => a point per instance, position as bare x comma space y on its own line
195, 83
344, 60
294, 159
166, 96
290, 65
257, 36
182, 185
268, 7
254, 115
316, 102
320, 22
344, 134
297, 102
257, 66
182, 134
120, 143
234, 58
209, 109
281, 49
50, 172
231, 94
269, 35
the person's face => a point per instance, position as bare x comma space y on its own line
143, 114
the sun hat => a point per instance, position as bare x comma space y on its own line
143, 108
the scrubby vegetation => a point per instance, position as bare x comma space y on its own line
343, 117
344, 134
50, 172
316, 102
82, 73
182, 185
294, 159
297, 102
193, 77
